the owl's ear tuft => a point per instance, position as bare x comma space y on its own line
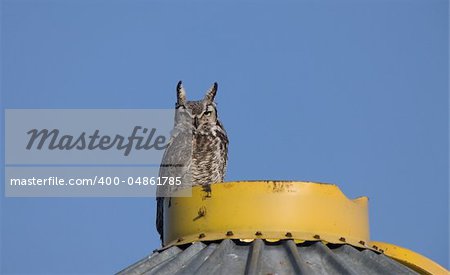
211, 93
181, 94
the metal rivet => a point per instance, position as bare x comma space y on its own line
230, 233
375, 247
202, 235
316, 237
342, 239
289, 235
362, 242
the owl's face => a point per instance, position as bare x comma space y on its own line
202, 113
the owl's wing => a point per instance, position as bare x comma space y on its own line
175, 163
223, 158
176, 160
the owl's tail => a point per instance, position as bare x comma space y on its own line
160, 217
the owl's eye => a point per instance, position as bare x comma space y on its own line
207, 113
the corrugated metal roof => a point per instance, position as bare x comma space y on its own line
260, 257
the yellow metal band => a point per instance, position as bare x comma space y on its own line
277, 210
411, 259
271, 210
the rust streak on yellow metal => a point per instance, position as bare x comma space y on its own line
411, 259
267, 210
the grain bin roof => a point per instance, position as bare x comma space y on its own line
259, 257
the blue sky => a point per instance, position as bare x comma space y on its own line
347, 92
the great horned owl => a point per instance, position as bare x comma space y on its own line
198, 148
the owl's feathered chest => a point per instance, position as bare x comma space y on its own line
209, 155
206, 140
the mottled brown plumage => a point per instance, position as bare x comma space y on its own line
197, 151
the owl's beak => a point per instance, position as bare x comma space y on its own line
196, 122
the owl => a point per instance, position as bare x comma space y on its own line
198, 148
